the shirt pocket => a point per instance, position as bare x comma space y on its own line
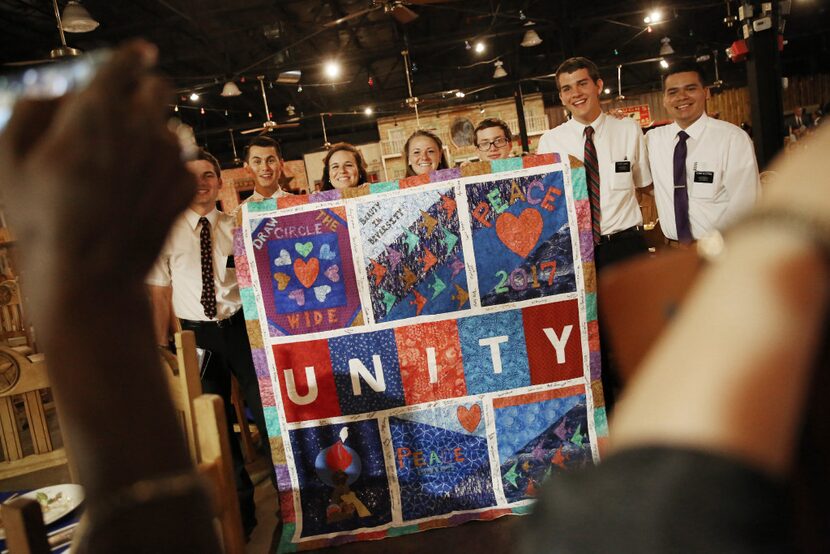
705, 182
623, 175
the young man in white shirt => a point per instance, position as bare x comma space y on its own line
620, 155
614, 154
194, 275
704, 169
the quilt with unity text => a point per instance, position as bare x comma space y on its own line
427, 349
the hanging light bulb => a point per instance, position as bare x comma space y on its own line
368, 110
194, 96
176, 108
665, 47
460, 94
499, 72
332, 69
664, 64
479, 48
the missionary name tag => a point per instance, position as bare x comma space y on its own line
704, 176
622, 167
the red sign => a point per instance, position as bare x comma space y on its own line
641, 114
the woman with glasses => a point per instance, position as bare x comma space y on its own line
344, 167
494, 139
423, 152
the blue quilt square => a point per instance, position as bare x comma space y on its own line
494, 352
307, 273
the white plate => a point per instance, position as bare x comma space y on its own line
64, 499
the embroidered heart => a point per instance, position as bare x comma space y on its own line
326, 253
306, 271
333, 273
297, 296
520, 234
469, 418
304, 248
282, 280
321, 292
284, 259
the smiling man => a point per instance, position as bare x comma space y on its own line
615, 158
263, 160
493, 139
705, 173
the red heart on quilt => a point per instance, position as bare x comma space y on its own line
520, 234
307, 272
469, 418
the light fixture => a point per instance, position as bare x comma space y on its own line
664, 64
531, 39
467, 45
479, 48
290, 110
230, 89
460, 94
76, 19
299, 88
665, 47
607, 91
194, 96
653, 17
289, 77
332, 69
368, 110
499, 72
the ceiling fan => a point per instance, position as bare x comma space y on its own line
396, 8
268, 125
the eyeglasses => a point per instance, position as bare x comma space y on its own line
485, 145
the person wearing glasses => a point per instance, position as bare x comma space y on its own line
494, 139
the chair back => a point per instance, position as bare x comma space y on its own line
23, 523
216, 465
22, 379
185, 386
13, 327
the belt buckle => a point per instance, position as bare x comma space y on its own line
222, 322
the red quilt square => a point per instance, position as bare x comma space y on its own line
306, 394
545, 326
430, 361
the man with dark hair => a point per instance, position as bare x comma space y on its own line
615, 160
264, 160
614, 155
493, 139
194, 277
705, 173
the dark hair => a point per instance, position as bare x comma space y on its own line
208, 157
684, 66
263, 142
572, 65
363, 176
489, 123
442, 164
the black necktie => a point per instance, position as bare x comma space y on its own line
681, 195
208, 292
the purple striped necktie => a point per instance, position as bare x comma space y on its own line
681, 194
208, 299
592, 177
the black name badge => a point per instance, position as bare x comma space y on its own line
622, 167
704, 176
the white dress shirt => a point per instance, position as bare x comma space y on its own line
721, 174
623, 165
180, 265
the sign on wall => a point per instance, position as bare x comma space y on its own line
427, 349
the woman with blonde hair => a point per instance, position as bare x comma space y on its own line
423, 152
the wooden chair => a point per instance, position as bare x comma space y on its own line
24, 377
216, 465
23, 523
185, 386
14, 330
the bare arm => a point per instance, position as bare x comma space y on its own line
732, 372
93, 183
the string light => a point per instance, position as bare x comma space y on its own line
460, 94
479, 47
368, 110
176, 108
194, 96
202, 111
332, 69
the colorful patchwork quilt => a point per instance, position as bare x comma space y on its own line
427, 349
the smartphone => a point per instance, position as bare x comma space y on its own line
49, 80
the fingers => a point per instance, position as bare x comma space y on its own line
30, 120
121, 74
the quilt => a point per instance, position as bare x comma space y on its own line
427, 349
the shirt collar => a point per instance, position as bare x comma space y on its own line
193, 218
597, 124
694, 130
